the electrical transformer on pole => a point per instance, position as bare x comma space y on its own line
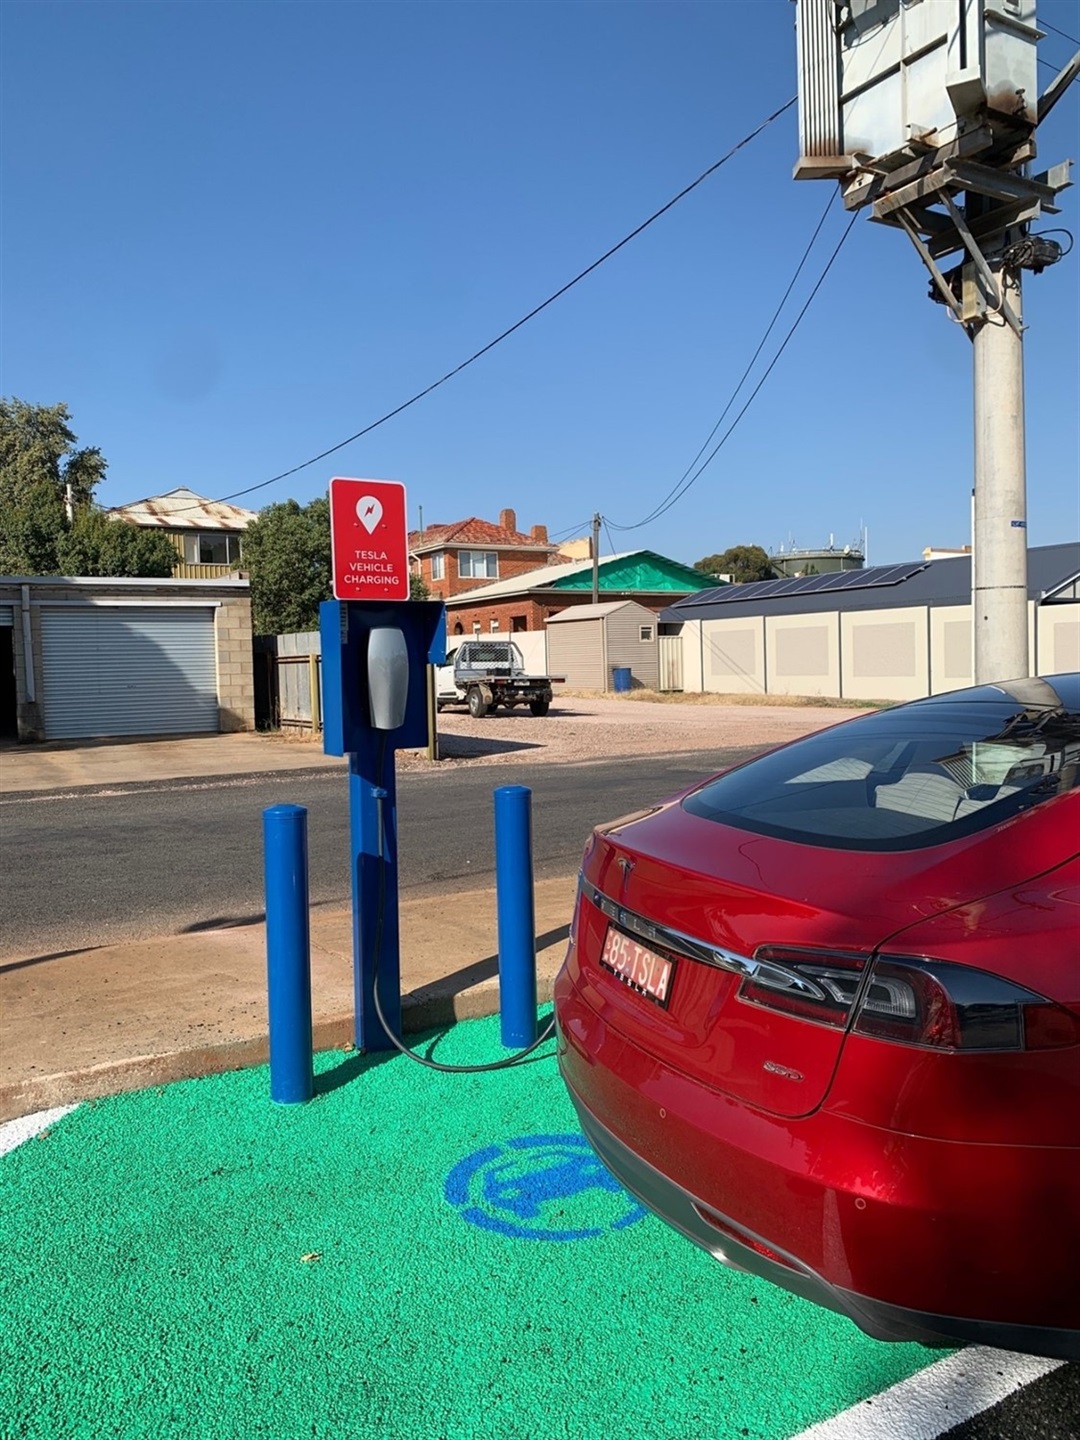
925, 113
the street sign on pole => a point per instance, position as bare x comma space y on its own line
369, 539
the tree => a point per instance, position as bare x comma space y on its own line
40, 468
96, 545
287, 555
742, 562
42, 475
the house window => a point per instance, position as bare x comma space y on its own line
645, 633
494, 625
438, 567
476, 627
519, 622
478, 565
211, 549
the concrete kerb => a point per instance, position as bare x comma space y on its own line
127, 1017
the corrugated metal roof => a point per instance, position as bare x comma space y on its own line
182, 509
594, 612
641, 570
938, 582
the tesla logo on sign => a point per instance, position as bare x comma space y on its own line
369, 539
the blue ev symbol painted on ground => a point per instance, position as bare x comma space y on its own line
540, 1187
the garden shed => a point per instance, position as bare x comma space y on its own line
589, 643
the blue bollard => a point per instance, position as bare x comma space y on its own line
517, 916
288, 953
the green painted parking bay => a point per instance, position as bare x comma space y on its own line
412, 1254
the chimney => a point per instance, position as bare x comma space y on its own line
538, 535
507, 519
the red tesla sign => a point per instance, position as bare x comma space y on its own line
369, 540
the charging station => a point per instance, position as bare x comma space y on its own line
376, 647
374, 675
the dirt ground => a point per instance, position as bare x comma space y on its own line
603, 728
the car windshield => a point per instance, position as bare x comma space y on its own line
915, 776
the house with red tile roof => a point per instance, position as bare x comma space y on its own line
453, 559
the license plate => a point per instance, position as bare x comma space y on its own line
636, 965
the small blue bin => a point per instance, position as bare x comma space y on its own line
620, 678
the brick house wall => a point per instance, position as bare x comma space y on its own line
533, 610
511, 564
517, 553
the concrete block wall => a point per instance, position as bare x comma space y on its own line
235, 672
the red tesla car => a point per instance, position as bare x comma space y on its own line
821, 1013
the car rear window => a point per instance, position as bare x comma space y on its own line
915, 776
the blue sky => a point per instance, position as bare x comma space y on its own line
235, 233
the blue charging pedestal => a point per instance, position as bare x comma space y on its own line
374, 676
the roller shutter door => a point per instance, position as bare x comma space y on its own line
7, 616
138, 671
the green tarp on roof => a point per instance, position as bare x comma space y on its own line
642, 571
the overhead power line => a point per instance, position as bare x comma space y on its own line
674, 497
753, 358
397, 410
1045, 25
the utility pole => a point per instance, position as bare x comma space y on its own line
946, 157
999, 530
596, 559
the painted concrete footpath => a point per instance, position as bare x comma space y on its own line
87, 1023
416, 1254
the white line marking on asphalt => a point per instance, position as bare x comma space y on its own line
15, 1132
928, 1404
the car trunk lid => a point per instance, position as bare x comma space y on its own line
680, 913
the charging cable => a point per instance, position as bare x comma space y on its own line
398, 1045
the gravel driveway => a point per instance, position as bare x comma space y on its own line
605, 728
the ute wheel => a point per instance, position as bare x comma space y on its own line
477, 704
539, 707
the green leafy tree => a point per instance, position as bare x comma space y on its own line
42, 474
41, 468
743, 563
418, 589
96, 545
287, 556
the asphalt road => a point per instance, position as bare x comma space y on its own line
92, 868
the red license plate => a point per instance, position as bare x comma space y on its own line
636, 965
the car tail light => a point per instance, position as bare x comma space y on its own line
816, 985
909, 1000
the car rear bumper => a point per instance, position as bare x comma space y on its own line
895, 1232
739, 1249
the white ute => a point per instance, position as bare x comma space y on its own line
485, 674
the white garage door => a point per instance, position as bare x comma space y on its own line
137, 671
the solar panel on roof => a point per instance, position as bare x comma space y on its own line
798, 585
849, 577
885, 575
